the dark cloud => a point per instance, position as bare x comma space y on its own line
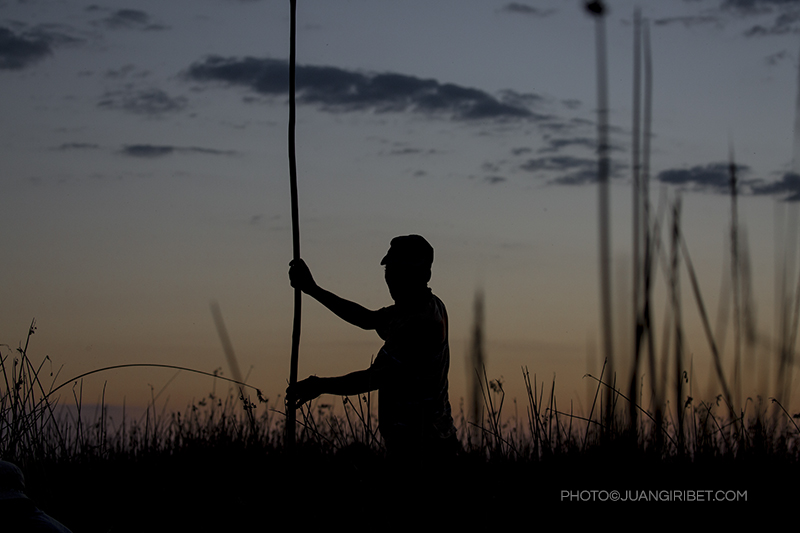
789, 185
783, 24
564, 126
407, 151
57, 35
130, 19
413, 151
125, 71
494, 180
777, 57
786, 12
22, 46
492, 166
334, 89
127, 18
524, 100
525, 9
583, 176
757, 6
569, 170
555, 145
151, 102
152, 151
147, 150
78, 146
713, 177
18, 51
688, 21
206, 151
786, 15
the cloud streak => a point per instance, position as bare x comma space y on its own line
525, 9
77, 146
786, 13
149, 102
784, 23
688, 21
128, 19
713, 177
788, 184
336, 90
757, 6
568, 170
147, 150
152, 151
776, 58
556, 145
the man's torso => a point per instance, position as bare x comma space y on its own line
413, 364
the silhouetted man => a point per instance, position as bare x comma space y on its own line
410, 371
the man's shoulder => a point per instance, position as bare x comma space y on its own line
432, 308
429, 317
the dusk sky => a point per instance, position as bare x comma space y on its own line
145, 174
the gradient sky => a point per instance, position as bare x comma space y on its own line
144, 174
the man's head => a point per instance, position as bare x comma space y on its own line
408, 265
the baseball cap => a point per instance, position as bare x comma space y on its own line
409, 251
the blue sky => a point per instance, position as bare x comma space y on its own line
145, 171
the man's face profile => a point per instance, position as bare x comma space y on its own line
405, 281
393, 278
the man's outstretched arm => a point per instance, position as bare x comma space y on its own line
358, 315
349, 385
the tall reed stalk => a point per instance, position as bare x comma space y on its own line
638, 326
477, 359
597, 10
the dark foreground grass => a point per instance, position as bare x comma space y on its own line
232, 487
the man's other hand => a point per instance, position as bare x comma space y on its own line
303, 391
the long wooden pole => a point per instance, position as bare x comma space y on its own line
290, 411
